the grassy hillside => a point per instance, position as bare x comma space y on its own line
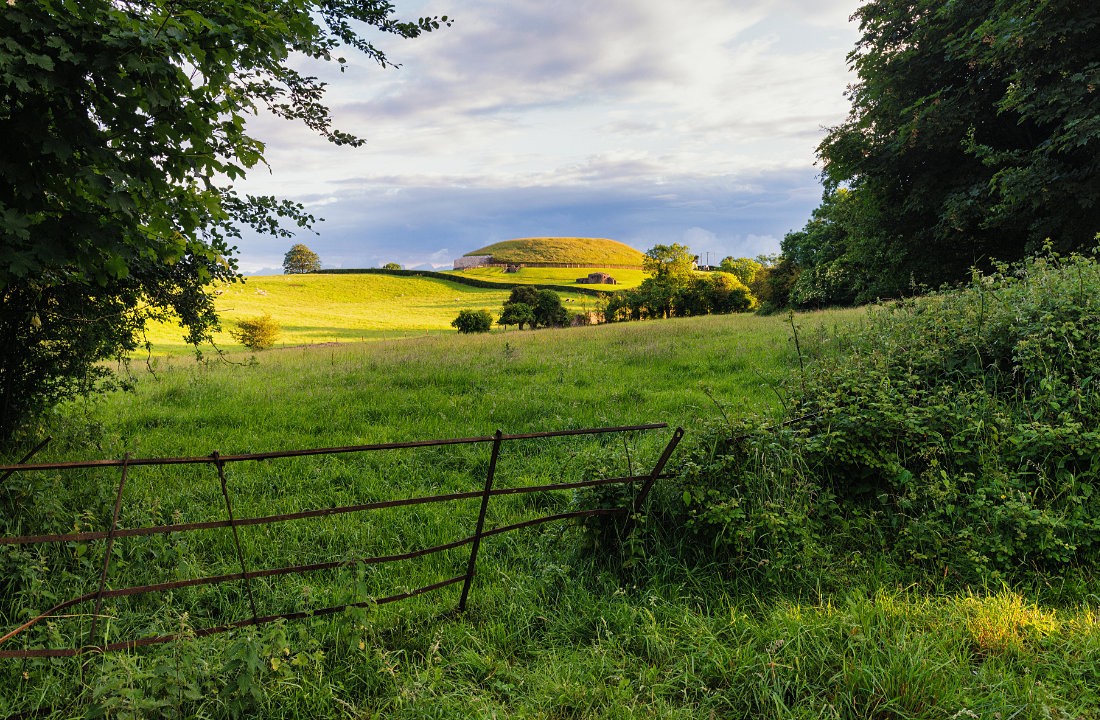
316, 309
553, 276
592, 252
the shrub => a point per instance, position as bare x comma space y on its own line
258, 333
473, 321
955, 433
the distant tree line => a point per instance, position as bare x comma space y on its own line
676, 289
973, 136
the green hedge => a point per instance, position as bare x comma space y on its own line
472, 282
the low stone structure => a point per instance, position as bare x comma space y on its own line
472, 261
597, 278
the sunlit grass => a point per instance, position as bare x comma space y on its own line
317, 309
595, 252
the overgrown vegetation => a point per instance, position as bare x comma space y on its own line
954, 435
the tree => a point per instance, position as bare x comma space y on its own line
124, 130
972, 135
517, 314
300, 259
473, 321
391, 266
745, 269
548, 310
669, 263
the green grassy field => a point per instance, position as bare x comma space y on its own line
318, 309
553, 630
553, 276
593, 252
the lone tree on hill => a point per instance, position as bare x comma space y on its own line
124, 135
300, 259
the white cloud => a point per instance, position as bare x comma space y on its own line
684, 108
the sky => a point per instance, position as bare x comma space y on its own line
643, 121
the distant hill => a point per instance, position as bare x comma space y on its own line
584, 252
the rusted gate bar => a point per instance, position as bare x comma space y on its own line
246, 575
236, 537
30, 453
133, 462
107, 554
658, 468
471, 565
305, 514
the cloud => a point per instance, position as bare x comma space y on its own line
430, 225
631, 119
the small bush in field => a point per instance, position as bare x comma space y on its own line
473, 321
258, 333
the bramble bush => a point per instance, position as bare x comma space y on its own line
955, 433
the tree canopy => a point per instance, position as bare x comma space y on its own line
124, 130
300, 259
973, 134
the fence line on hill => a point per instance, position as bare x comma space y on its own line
245, 576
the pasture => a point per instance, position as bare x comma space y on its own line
341, 308
559, 625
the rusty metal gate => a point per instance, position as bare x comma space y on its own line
245, 576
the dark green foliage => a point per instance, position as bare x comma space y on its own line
517, 313
528, 304
972, 135
694, 294
473, 321
124, 129
548, 310
956, 433
258, 333
826, 274
300, 259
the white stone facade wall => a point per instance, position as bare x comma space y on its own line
472, 261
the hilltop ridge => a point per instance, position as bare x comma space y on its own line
571, 251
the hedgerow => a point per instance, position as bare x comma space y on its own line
955, 433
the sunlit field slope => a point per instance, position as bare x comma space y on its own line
592, 252
314, 309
